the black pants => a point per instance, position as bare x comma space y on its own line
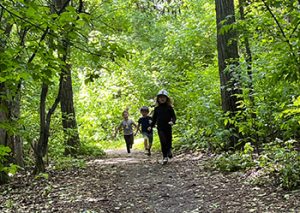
129, 141
165, 137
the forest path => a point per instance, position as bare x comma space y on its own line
135, 183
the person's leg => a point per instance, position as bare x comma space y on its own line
146, 146
145, 143
163, 143
150, 137
131, 140
169, 142
127, 140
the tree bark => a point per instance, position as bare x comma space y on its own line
15, 141
228, 61
69, 123
9, 110
3, 114
4, 108
11, 97
40, 147
68, 113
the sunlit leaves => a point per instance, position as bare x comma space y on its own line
275, 26
4, 167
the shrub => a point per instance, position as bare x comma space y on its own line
231, 162
284, 162
5, 168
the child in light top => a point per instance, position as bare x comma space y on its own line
126, 125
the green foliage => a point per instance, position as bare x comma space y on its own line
279, 161
283, 160
4, 153
91, 150
231, 162
10, 169
87, 148
42, 176
291, 119
65, 163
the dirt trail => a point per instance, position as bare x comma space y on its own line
134, 182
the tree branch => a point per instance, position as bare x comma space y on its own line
1, 14
46, 31
19, 17
281, 30
294, 30
80, 8
53, 107
276, 20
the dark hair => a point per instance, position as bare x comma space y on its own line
125, 111
144, 109
168, 102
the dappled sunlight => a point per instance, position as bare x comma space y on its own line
204, 95
115, 160
117, 156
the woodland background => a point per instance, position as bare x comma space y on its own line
69, 69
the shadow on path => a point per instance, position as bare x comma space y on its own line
135, 183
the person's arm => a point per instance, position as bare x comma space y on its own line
154, 118
118, 128
136, 126
137, 129
150, 122
173, 116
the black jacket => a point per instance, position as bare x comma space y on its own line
162, 115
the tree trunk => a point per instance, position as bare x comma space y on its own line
67, 106
15, 141
68, 113
3, 120
228, 61
41, 146
5, 110
18, 150
10, 103
3, 114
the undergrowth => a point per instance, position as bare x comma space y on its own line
279, 161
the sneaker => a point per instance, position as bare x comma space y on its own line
165, 161
149, 152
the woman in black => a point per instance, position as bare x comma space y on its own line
164, 117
